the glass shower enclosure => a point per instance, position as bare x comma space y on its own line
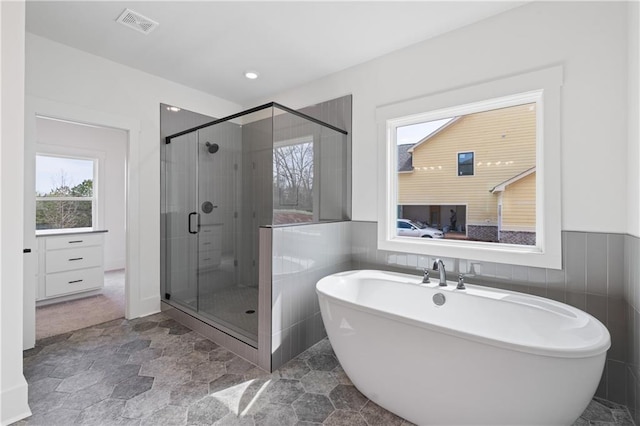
222, 181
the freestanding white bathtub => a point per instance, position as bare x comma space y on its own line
484, 357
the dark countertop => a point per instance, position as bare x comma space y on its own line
58, 232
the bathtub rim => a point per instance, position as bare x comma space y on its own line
601, 346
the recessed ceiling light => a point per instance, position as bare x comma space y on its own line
251, 75
173, 108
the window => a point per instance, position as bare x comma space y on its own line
506, 134
465, 164
293, 175
65, 192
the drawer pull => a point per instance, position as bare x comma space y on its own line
75, 241
208, 258
75, 281
75, 258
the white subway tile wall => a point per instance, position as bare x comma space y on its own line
601, 275
301, 256
631, 307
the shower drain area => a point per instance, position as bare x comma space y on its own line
235, 306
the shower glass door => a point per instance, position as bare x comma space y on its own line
224, 296
181, 254
211, 242
225, 179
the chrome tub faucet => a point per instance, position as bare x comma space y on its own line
438, 265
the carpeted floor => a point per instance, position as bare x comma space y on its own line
69, 316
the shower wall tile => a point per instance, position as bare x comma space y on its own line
556, 285
303, 254
265, 287
575, 254
596, 305
597, 259
615, 262
520, 274
633, 400
538, 279
617, 326
630, 294
504, 272
617, 381
337, 112
577, 300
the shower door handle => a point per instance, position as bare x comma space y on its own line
190, 221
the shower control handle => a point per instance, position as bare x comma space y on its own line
190, 221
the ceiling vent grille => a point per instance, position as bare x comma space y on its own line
136, 21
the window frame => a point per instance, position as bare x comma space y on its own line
543, 87
473, 159
97, 206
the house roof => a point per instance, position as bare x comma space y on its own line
405, 151
434, 132
405, 159
503, 185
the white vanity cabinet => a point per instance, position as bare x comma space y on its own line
70, 265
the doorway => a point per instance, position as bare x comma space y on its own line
128, 274
80, 197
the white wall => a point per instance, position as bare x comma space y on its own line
588, 39
13, 387
95, 87
54, 136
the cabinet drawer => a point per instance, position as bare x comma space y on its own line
73, 241
208, 244
73, 281
209, 259
208, 235
72, 259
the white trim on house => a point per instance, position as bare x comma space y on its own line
503, 186
435, 132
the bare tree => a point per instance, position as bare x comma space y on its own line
294, 175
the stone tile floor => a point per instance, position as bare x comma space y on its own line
154, 371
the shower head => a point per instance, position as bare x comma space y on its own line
212, 147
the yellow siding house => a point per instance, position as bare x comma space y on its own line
482, 166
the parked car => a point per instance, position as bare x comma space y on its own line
407, 228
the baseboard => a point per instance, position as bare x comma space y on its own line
14, 403
144, 307
114, 265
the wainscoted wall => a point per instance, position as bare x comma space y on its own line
601, 276
593, 279
632, 304
301, 256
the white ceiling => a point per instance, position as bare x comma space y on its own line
209, 45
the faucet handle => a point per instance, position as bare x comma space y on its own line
425, 276
460, 285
